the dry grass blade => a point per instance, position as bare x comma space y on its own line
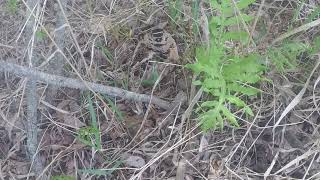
297, 30
296, 161
298, 98
268, 171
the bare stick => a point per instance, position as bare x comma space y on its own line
78, 84
31, 93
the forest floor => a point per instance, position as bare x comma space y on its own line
146, 127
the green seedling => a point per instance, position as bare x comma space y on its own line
175, 9
224, 73
114, 108
40, 35
152, 79
106, 52
12, 6
228, 72
90, 135
285, 56
62, 178
314, 15
101, 172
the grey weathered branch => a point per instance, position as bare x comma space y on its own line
79, 84
31, 91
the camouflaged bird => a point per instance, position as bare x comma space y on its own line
161, 42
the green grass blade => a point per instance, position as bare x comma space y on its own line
94, 123
114, 107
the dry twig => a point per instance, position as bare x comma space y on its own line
31, 91
78, 84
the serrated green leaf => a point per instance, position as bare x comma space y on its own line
208, 120
238, 20
212, 83
235, 87
248, 110
236, 101
231, 119
285, 56
244, 3
209, 104
241, 36
220, 121
222, 70
196, 67
197, 83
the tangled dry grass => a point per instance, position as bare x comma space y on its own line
153, 134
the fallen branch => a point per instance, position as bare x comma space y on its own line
31, 88
78, 84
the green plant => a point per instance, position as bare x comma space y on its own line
225, 72
195, 15
285, 55
40, 34
90, 135
105, 51
102, 172
114, 108
175, 9
314, 15
62, 178
152, 79
12, 6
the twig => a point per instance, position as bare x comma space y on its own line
31, 94
78, 84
